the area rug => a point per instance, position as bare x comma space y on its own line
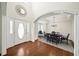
63, 45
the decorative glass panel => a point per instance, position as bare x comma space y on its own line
21, 10
11, 27
21, 30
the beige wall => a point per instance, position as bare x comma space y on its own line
63, 26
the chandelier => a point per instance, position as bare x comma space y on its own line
54, 22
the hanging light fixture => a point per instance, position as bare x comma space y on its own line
54, 22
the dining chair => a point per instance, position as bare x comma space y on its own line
65, 38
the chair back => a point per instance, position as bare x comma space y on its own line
53, 33
68, 36
40, 32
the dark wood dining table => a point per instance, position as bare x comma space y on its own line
55, 37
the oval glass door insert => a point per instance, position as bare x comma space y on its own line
20, 30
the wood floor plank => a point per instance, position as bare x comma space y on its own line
36, 48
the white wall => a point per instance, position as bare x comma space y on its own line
11, 10
0, 27
40, 8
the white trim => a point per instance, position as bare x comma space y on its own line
55, 13
17, 18
4, 38
76, 37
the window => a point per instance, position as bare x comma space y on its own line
40, 27
21, 30
11, 26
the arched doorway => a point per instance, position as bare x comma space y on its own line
69, 14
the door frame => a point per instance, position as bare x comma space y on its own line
24, 39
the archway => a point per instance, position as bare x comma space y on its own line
68, 13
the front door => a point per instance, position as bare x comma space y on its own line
20, 32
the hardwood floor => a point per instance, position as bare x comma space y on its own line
36, 48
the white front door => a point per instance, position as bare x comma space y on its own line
16, 32
20, 32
